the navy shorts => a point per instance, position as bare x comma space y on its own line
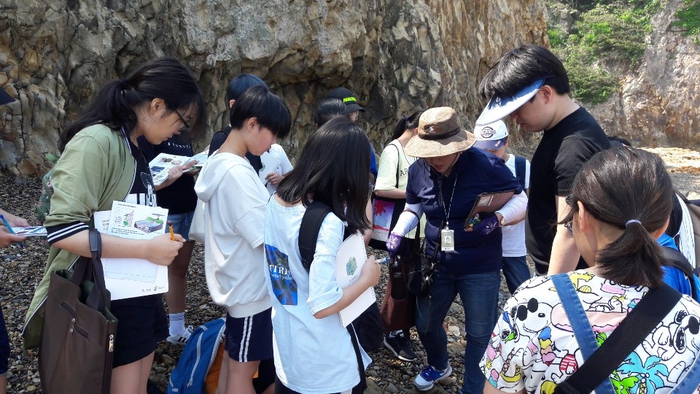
141, 324
249, 338
181, 223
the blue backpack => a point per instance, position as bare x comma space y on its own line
196, 359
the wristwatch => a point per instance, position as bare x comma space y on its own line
501, 219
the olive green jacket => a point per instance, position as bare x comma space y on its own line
96, 168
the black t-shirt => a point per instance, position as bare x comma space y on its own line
558, 158
180, 196
141, 193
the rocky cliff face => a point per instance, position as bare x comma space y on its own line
659, 103
396, 55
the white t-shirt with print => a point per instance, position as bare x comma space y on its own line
514, 235
311, 355
533, 345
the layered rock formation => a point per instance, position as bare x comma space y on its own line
396, 55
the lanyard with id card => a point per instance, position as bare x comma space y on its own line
447, 235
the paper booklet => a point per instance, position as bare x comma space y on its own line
132, 277
30, 231
164, 161
350, 259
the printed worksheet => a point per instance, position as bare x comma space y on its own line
132, 277
350, 259
30, 231
161, 164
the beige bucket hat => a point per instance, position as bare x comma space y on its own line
439, 134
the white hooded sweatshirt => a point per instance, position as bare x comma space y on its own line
234, 211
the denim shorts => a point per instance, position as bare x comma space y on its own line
181, 223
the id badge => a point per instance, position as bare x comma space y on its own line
448, 240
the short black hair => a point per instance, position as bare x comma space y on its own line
520, 68
260, 103
240, 83
327, 109
333, 168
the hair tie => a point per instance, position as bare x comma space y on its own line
124, 84
632, 221
407, 120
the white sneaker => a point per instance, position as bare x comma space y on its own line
181, 338
429, 375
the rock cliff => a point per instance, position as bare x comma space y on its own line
396, 55
659, 103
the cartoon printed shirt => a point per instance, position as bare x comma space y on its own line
533, 346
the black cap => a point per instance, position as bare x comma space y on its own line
5, 98
347, 97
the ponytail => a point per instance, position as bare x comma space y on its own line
110, 107
632, 258
406, 123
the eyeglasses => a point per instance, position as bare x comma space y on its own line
569, 226
186, 126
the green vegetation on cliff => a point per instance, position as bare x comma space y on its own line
688, 19
603, 33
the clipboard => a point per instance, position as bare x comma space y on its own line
488, 202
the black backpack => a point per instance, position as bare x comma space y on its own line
369, 324
674, 258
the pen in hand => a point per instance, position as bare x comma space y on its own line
9, 228
172, 233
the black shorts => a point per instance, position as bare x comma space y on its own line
141, 324
249, 338
266, 375
4, 346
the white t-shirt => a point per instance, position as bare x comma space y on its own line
514, 236
311, 355
234, 209
274, 160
